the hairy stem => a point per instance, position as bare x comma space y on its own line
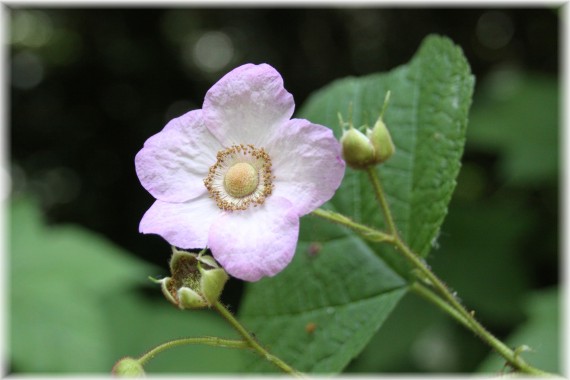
441, 296
436, 299
252, 343
366, 232
468, 319
379, 192
472, 324
210, 341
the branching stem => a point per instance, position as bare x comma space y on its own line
365, 231
248, 343
441, 296
252, 342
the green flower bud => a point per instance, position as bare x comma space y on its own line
357, 150
189, 299
381, 141
128, 367
166, 286
212, 283
197, 281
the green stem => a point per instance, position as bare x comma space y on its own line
468, 319
446, 300
210, 341
252, 343
366, 232
429, 295
472, 324
379, 192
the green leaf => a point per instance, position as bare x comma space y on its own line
346, 290
57, 277
343, 291
427, 118
394, 347
72, 306
541, 333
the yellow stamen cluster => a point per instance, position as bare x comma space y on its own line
240, 177
241, 180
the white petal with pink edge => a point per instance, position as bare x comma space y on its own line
174, 162
184, 225
258, 242
247, 105
307, 164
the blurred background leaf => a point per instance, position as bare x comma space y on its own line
518, 116
74, 306
540, 332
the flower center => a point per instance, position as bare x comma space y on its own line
241, 180
240, 177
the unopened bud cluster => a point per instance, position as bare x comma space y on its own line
197, 281
361, 150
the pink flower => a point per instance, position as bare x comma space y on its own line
237, 175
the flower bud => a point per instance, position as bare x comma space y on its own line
357, 150
197, 281
189, 299
166, 286
381, 141
212, 283
128, 367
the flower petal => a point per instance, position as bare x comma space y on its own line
185, 225
247, 104
307, 164
257, 242
174, 162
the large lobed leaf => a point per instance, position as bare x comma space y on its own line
347, 289
427, 118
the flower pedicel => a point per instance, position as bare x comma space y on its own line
237, 175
